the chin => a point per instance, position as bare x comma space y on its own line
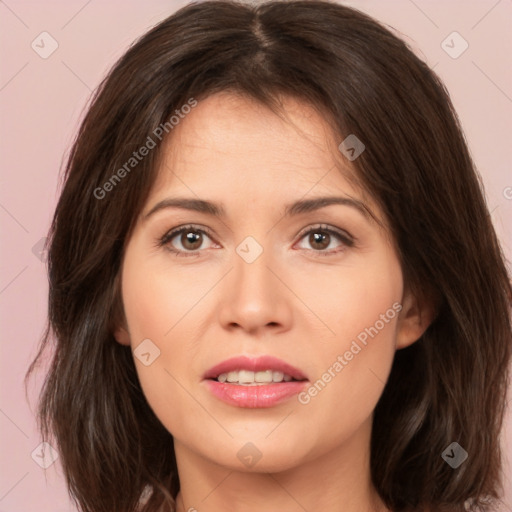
259, 456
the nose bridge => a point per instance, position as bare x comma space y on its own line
253, 297
252, 276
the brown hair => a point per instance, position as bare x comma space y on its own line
448, 386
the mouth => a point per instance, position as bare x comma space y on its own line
247, 371
254, 382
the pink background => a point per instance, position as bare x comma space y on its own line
42, 100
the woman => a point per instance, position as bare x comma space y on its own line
274, 282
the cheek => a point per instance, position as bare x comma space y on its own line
345, 299
349, 379
357, 351
157, 305
156, 298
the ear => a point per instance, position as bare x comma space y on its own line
122, 335
414, 318
118, 325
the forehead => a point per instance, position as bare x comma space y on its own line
230, 145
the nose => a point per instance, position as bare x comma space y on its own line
254, 297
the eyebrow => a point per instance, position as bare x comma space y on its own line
296, 208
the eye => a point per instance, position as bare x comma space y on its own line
185, 240
321, 238
188, 240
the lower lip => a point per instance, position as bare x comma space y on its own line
260, 396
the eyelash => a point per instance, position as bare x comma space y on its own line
346, 239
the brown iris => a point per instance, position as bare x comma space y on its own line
318, 237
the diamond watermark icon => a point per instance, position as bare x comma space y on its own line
249, 455
454, 45
44, 455
454, 455
146, 352
249, 249
44, 45
351, 147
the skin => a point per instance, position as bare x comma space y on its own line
293, 302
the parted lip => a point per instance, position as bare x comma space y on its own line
255, 364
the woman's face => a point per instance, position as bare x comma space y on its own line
319, 289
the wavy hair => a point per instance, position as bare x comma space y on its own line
448, 386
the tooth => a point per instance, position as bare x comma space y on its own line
232, 376
277, 376
250, 378
264, 376
245, 376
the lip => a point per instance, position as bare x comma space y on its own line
260, 396
255, 397
254, 364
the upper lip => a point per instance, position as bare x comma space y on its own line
254, 364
